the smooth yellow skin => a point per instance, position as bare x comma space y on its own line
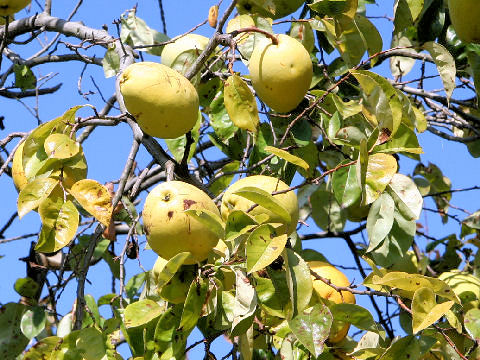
282, 8
164, 102
169, 229
269, 184
324, 291
176, 290
188, 42
465, 15
281, 74
10, 7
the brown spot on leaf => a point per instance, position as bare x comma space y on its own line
188, 203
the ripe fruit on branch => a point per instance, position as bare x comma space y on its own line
189, 42
282, 8
281, 74
231, 202
464, 15
10, 7
176, 290
164, 102
170, 230
324, 291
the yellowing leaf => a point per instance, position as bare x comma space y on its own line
210, 219
95, 198
445, 65
425, 311
287, 156
265, 199
380, 170
59, 224
263, 247
60, 146
240, 104
33, 194
413, 282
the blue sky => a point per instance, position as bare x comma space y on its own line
107, 149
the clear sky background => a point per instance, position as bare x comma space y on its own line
107, 149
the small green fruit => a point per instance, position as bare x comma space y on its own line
164, 102
281, 74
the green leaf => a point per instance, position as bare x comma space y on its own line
413, 282
65, 325
382, 101
33, 322
362, 168
59, 224
404, 141
111, 62
135, 31
33, 149
299, 281
380, 220
170, 268
282, 154
26, 287
425, 310
380, 171
409, 347
326, 212
302, 31
408, 199
95, 198
193, 306
263, 247
209, 219
60, 146
177, 145
246, 343
135, 284
240, 104
355, 315
219, 119
12, 340
312, 327
24, 77
345, 185
222, 182
141, 312
91, 344
43, 349
265, 199
438, 184
445, 65
245, 303
33, 194
472, 323
272, 298
350, 135
401, 65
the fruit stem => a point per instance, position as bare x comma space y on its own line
255, 29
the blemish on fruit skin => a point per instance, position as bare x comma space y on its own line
170, 215
188, 203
